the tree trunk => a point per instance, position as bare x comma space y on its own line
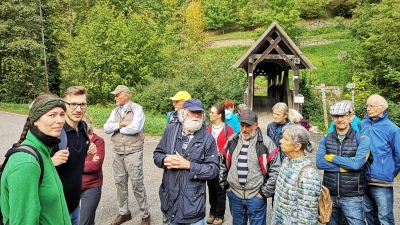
44, 48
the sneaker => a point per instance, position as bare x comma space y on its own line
146, 221
120, 219
210, 219
218, 221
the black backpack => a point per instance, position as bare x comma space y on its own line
30, 150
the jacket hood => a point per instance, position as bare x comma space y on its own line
228, 114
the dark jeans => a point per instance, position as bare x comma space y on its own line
90, 199
216, 198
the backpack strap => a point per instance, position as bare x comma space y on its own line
64, 140
32, 151
301, 171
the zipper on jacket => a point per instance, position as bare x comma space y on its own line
338, 174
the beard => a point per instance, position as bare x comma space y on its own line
193, 124
247, 136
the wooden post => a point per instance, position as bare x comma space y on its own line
250, 79
296, 86
324, 105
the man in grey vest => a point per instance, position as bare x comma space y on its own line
126, 126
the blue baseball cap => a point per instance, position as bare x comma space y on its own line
193, 105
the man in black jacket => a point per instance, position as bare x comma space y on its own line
70, 162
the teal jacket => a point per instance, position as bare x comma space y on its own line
22, 200
355, 124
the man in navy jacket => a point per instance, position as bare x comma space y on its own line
189, 156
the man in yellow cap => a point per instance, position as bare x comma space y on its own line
177, 101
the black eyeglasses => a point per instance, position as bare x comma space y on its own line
75, 105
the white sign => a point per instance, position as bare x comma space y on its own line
322, 87
299, 99
351, 85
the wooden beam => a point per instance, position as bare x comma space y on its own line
274, 44
250, 79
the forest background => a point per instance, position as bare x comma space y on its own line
158, 47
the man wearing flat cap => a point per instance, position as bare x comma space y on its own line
249, 171
126, 126
343, 155
188, 154
177, 100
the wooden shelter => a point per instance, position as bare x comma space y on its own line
272, 56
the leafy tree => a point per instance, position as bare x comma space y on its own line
21, 51
312, 107
218, 13
247, 13
112, 49
193, 32
342, 7
285, 12
311, 8
377, 49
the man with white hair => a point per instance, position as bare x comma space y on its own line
385, 149
189, 156
126, 126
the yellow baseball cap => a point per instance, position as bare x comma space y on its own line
181, 95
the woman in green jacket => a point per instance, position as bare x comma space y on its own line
24, 200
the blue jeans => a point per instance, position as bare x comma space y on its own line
201, 222
347, 210
254, 210
378, 205
75, 216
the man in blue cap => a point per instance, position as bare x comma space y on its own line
189, 156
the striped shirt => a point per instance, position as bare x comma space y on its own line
242, 167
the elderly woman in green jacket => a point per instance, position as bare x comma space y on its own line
25, 200
298, 187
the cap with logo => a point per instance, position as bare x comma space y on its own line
193, 105
181, 95
340, 108
121, 88
248, 116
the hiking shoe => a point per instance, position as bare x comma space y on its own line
218, 221
146, 221
210, 219
120, 219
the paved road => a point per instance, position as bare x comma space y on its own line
11, 126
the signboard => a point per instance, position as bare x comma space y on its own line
323, 87
351, 85
299, 99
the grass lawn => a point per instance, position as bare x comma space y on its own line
154, 125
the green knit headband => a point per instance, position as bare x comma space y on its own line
41, 107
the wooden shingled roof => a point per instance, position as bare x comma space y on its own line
275, 46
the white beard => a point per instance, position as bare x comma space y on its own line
192, 124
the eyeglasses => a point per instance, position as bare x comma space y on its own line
75, 105
371, 106
176, 101
341, 116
